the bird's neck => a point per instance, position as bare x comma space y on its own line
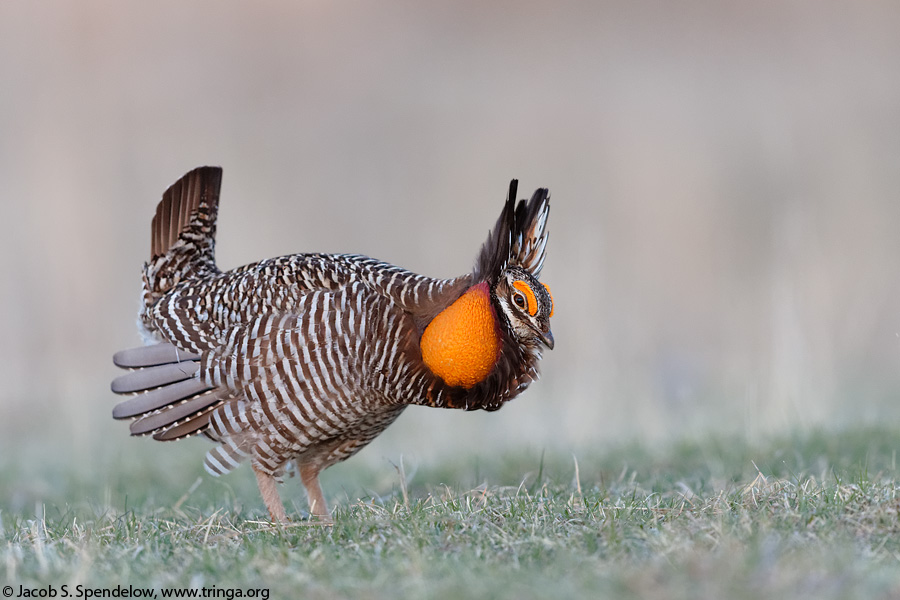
461, 344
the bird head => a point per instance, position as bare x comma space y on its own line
511, 261
527, 306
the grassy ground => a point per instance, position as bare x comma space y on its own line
810, 515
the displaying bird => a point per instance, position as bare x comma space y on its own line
302, 360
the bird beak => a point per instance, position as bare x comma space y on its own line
547, 338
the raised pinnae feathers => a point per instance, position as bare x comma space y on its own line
519, 238
530, 234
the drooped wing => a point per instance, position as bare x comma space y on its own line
320, 373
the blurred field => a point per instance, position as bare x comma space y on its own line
724, 252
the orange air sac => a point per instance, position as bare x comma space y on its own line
461, 344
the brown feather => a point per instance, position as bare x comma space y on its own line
152, 377
190, 201
188, 428
158, 398
171, 415
148, 356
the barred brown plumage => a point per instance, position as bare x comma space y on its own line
304, 359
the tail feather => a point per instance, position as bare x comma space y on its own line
167, 397
187, 211
183, 232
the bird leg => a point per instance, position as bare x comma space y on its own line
270, 495
309, 475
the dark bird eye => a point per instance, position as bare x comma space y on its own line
519, 299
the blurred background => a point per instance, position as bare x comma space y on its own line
724, 249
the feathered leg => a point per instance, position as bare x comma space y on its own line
269, 491
309, 475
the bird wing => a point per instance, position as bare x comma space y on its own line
301, 377
167, 398
316, 374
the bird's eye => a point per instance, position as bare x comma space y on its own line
524, 298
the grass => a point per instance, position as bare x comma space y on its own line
813, 515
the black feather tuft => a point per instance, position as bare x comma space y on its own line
519, 237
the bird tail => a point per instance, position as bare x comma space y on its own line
183, 233
166, 397
519, 238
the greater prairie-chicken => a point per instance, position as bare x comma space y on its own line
302, 360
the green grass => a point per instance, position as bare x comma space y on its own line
809, 515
